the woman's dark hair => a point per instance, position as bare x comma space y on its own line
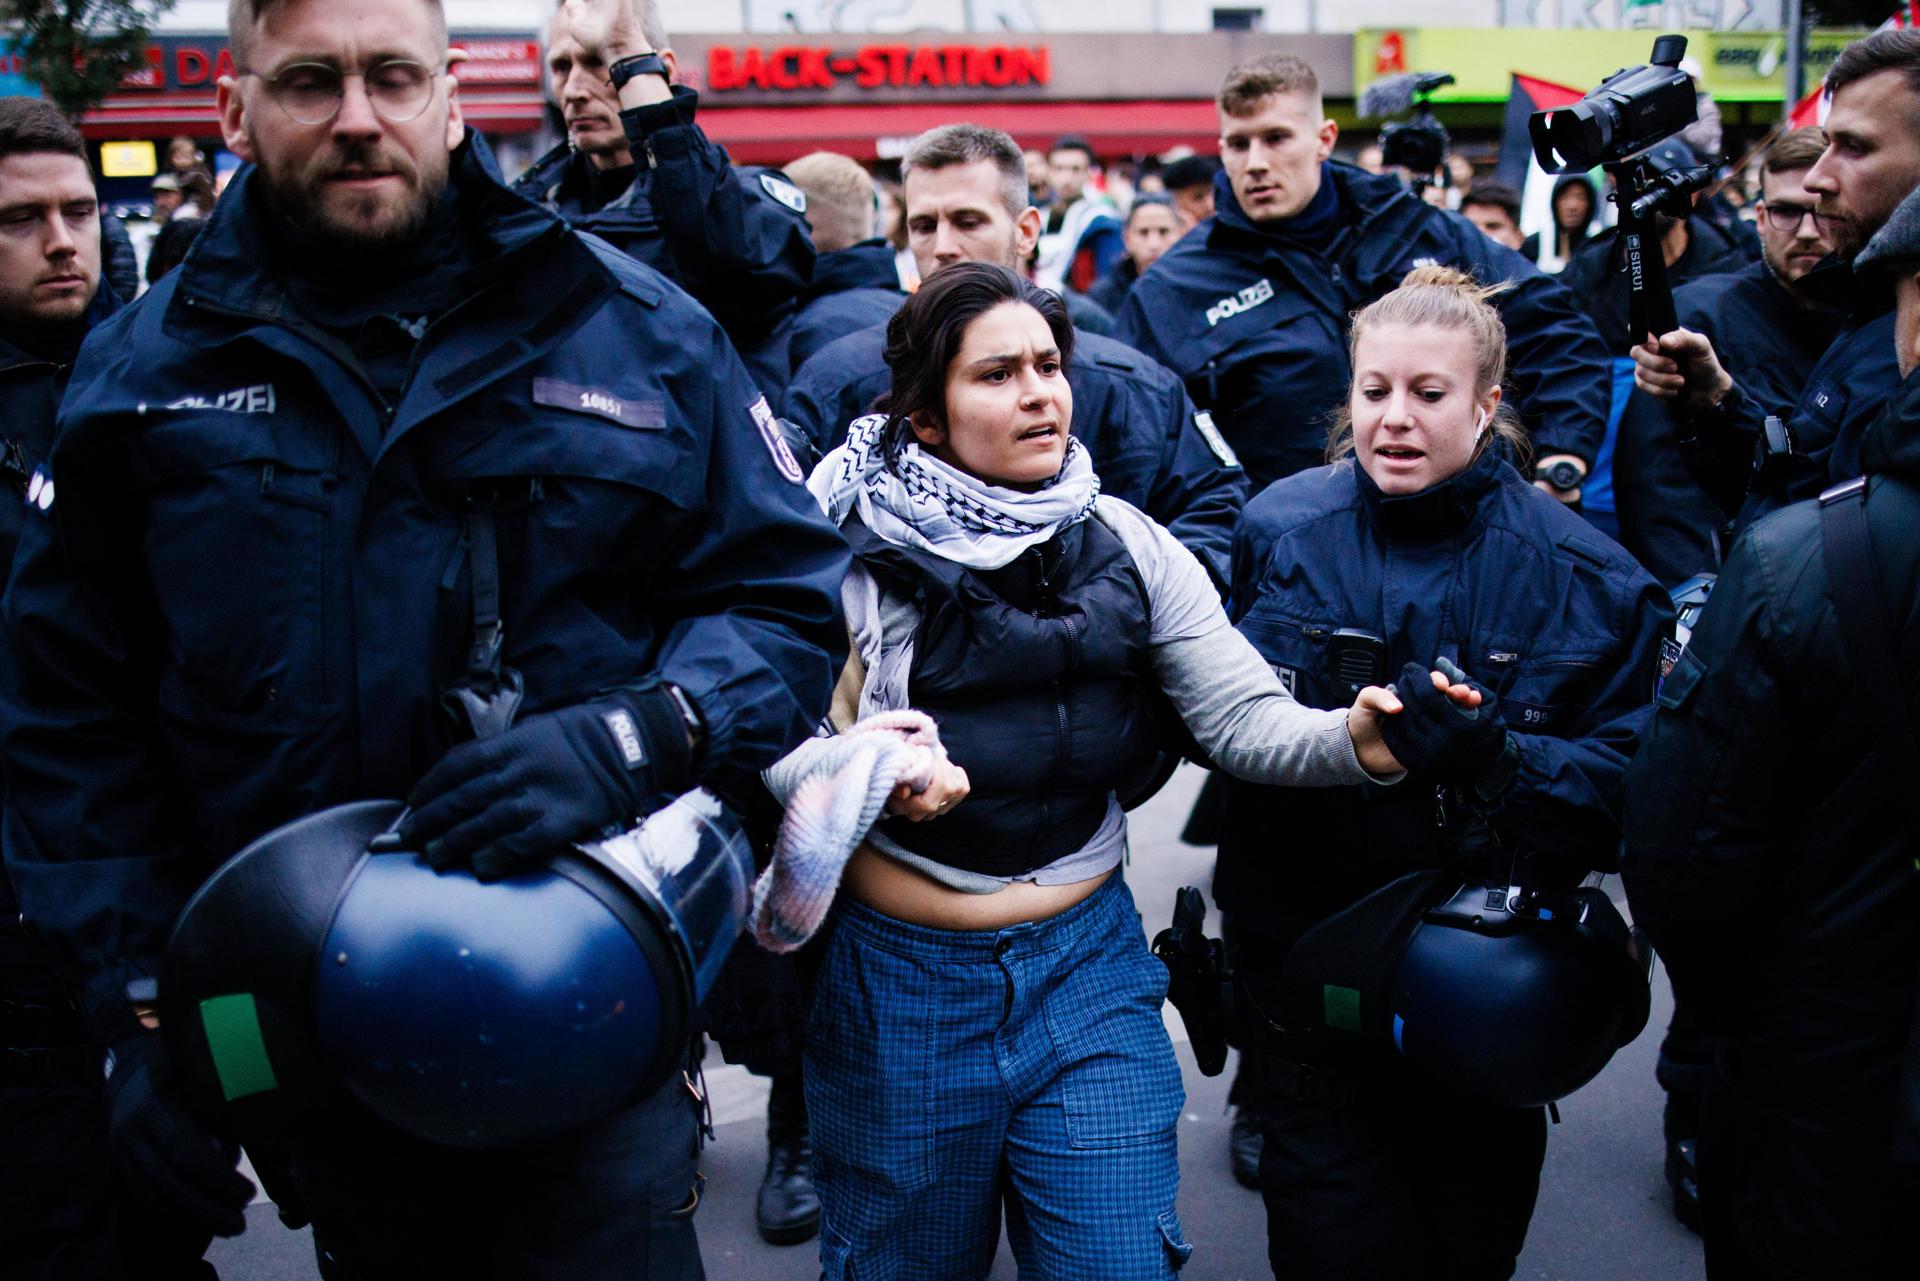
925, 334
1151, 200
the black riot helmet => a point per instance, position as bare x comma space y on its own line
1492, 991
470, 1014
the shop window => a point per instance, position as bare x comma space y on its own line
1238, 19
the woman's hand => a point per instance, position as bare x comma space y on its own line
1375, 702
948, 788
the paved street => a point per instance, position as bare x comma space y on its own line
1602, 1215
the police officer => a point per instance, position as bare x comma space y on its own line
66, 1214
1871, 162
855, 282
1422, 546
1251, 309
966, 195
637, 171
1771, 855
1769, 320
1773, 332
393, 435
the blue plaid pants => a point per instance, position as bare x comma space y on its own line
949, 1073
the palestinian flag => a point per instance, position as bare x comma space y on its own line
1517, 168
1812, 109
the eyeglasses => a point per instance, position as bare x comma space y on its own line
1784, 215
398, 89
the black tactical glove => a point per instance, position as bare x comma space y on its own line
553, 779
1435, 737
161, 1150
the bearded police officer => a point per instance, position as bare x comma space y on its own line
391, 431
1771, 854
1251, 308
638, 171
1871, 162
1770, 320
966, 195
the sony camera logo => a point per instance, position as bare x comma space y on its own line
1246, 300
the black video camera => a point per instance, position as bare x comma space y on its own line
1618, 126
1630, 111
1418, 145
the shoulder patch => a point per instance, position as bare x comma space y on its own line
639, 414
785, 192
776, 443
1203, 423
1584, 552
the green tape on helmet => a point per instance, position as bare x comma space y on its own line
238, 1047
1343, 1007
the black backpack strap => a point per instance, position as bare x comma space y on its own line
1853, 584
484, 701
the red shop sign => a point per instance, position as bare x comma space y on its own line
952, 66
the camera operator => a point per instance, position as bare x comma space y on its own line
1871, 162
1691, 247
1773, 331
1251, 309
1770, 853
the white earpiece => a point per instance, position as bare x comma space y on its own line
1480, 425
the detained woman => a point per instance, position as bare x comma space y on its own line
986, 1030
1421, 546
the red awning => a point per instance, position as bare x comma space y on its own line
775, 135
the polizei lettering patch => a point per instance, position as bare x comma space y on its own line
1246, 300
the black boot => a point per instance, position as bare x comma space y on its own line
1244, 1141
1683, 1176
787, 1211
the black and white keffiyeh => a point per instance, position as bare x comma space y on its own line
912, 499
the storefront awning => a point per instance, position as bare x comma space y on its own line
775, 135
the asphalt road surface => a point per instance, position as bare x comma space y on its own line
1603, 1213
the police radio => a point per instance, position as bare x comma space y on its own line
1355, 660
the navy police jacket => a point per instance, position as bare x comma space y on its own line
1257, 324
30, 387
1484, 570
253, 585
1151, 447
853, 288
1770, 855
737, 241
1848, 388
31, 383
1770, 341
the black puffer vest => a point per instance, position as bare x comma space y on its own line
1038, 676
